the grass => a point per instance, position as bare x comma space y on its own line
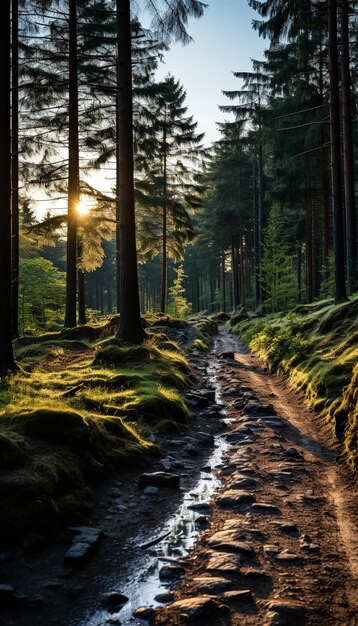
206, 329
317, 347
61, 420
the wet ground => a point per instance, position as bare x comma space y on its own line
285, 511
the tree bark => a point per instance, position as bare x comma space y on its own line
6, 353
348, 161
73, 173
130, 326
81, 292
15, 166
340, 294
163, 295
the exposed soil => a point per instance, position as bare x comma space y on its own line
299, 560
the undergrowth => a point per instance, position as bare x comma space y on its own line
64, 424
317, 347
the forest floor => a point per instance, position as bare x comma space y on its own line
281, 546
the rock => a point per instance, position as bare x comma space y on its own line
87, 534
227, 356
307, 544
10, 598
256, 408
204, 439
236, 500
79, 554
228, 563
206, 469
113, 600
265, 509
243, 595
203, 507
243, 483
34, 542
287, 557
293, 453
289, 528
53, 584
196, 400
271, 550
171, 572
194, 609
160, 479
151, 491
287, 613
202, 522
164, 598
239, 433
144, 612
166, 463
211, 584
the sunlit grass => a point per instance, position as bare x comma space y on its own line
317, 347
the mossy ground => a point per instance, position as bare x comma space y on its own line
317, 347
65, 423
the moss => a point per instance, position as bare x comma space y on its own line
317, 348
14, 450
50, 425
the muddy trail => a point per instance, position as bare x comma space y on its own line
259, 529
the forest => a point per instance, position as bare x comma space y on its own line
178, 319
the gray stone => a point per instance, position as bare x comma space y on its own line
211, 584
265, 509
243, 483
160, 479
236, 500
164, 598
289, 528
113, 600
227, 563
239, 433
287, 613
202, 522
243, 595
195, 608
144, 612
202, 507
205, 439
256, 408
171, 572
79, 553
287, 557
271, 550
151, 491
87, 534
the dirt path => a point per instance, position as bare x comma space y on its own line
282, 545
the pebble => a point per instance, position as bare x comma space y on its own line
164, 598
159, 479
243, 595
113, 600
144, 612
151, 491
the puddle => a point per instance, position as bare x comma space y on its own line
141, 584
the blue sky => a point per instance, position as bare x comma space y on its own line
224, 41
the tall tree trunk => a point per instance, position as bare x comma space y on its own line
6, 354
256, 236
348, 161
15, 166
340, 294
223, 283
130, 326
73, 173
81, 291
163, 295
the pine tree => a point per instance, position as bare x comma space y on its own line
6, 353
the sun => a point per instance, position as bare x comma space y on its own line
83, 207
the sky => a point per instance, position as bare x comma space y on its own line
224, 41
